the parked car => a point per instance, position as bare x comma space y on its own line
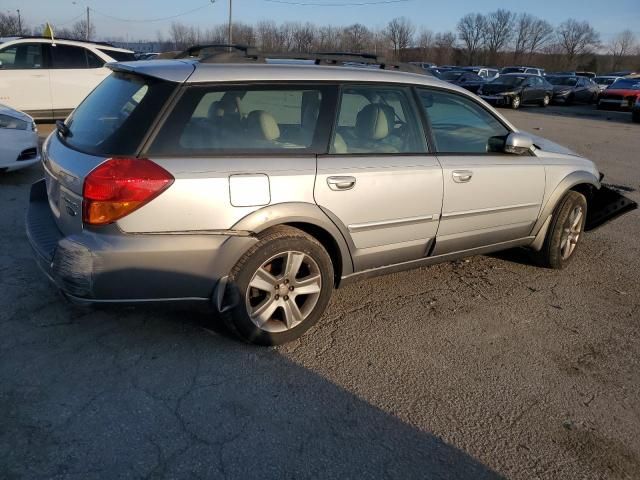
635, 112
464, 79
573, 89
605, 81
517, 89
423, 65
258, 189
484, 72
621, 95
529, 70
48, 79
18, 140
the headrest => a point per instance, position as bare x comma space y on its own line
339, 145
229, 104
372, 122
264, 124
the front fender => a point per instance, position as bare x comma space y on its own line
567, 183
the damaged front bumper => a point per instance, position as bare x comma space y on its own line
606, 204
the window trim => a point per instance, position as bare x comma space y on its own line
412, 104
430, 131
317, 147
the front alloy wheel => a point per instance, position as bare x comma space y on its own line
515, 102
572, 231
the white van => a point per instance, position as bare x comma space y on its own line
48, 79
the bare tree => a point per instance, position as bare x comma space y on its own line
303, 37
540, 36
622, 45
355, 38
328, 39
444, 47
9, 25
531, 35
184, 36
400, 33
79, 30
425, 40
576, 38
471, 30
498, 31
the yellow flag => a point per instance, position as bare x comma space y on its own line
48, 31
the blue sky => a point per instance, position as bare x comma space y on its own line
608, 18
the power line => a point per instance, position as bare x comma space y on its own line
349, 4
148, 20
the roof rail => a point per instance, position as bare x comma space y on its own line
201, 50
41, 37
250, 55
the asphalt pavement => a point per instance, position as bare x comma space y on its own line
483, 368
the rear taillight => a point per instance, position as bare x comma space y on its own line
119, 186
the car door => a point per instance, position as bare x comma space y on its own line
379, 182
490, 197
75, 72
24, 78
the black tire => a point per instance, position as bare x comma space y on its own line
271, 243
635, 116
551, 254
570, 100
516, 102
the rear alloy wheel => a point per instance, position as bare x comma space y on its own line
282, 286
565, 231
515, 102
545, 101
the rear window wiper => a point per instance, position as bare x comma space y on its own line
63, 129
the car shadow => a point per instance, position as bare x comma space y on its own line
125, 393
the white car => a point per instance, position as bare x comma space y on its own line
48, 79
18, 140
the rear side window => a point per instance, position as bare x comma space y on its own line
460, 125
377, 120
70, 57
115, 117
246, 119
119, 56
23, 56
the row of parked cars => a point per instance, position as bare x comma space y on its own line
517, 86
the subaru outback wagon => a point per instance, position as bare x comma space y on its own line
258, 189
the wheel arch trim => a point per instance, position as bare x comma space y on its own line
580, 177
300, 213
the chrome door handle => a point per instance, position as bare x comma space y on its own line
462, 176
341, 183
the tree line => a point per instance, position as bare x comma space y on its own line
496, 38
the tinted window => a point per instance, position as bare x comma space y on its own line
114, 118
22, 56
119, 56
460, 125
377, 120
70, 57
244, 119
627, 84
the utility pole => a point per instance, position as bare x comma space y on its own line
88, 25
19, 23
230, 23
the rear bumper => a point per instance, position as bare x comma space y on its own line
108, 266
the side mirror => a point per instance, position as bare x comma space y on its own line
518, 144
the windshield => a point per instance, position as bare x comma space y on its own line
626, 84
604, 80
115, 117
512, 81
450, 75
568, 81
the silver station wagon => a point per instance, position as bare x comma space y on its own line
258, 188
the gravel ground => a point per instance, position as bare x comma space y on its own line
483, 368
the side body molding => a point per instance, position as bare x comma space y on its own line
566, 184
299, 212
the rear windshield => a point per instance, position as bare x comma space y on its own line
513, 70
115, 117
119, 56
566, 81
626, 84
